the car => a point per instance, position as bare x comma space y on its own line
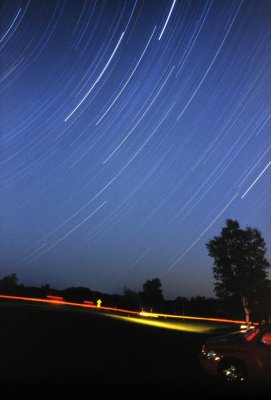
240, 356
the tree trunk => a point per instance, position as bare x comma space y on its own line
246, 309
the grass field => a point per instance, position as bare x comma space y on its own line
53, 348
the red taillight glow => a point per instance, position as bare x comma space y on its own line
50, 297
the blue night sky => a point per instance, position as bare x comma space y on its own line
130, 132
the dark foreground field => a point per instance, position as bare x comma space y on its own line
51, 348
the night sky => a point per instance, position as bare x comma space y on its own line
130, 132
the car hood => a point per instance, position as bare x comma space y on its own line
229, 338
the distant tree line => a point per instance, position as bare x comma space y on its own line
241, 283
149, 299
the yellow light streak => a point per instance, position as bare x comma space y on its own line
173, 325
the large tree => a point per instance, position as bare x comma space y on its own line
240, 265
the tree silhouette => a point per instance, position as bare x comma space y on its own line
131, 298
152, 293
240, 266
9, 282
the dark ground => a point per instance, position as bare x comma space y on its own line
56, 349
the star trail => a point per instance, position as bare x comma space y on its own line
130, 132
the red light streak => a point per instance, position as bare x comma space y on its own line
47, 301
88, 304
67, 303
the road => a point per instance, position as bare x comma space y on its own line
53, 348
